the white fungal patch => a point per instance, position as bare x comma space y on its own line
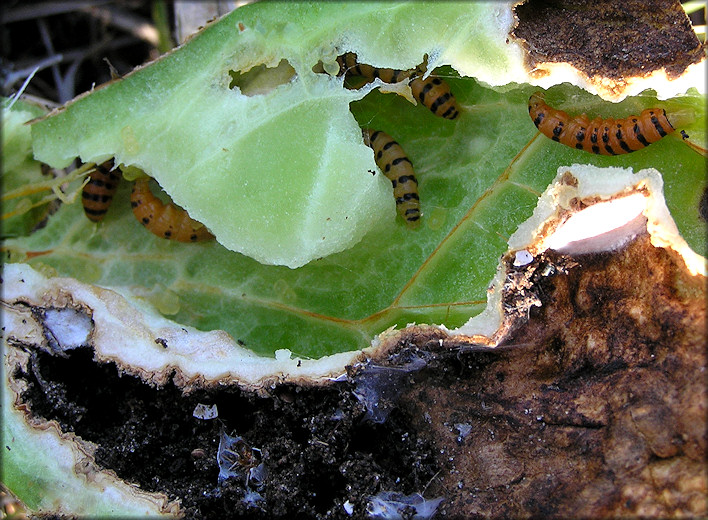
464, 428
348, 507
230, 456
390, 505
378, 387
252, 498
205, 412
237, 459
67, 328
522, 258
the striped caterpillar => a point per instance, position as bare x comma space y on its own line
600, 136
396, 166
432, 92
165, 220
435, 94
348, 64
97, 194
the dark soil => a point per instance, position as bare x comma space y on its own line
316, 443
618, 39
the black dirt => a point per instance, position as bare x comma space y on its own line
618, 39
316, 444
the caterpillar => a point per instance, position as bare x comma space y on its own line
97, 194
435, 94
599, 136
165, 220
432, 92
396, 166
348, 64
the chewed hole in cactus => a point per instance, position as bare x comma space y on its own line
260, 79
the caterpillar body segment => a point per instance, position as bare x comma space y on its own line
433, 92
97, 194
600, 136
165, 220
396, 166
349, 65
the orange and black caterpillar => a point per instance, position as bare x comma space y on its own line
600, 136
434, 93
97, 194
396, 166
165, 220
349, 65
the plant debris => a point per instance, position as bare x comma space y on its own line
615, 40
595, 406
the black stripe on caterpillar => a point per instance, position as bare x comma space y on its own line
396, 166
599, 136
